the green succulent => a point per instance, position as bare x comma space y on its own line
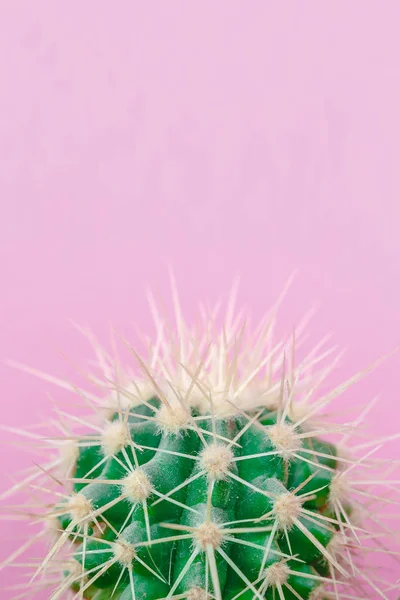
207, 475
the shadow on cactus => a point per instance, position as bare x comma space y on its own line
207, 474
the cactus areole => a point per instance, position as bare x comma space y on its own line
205, 475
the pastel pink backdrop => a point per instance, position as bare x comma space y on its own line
222, 138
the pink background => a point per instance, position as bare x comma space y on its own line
222, 138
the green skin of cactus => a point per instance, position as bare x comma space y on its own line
231, 501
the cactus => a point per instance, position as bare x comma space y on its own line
208, 475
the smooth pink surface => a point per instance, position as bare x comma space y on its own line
222, 138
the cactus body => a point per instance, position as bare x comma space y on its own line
216, 505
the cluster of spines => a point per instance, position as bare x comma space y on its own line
192, 378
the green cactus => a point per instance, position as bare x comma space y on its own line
237, 506
207, 476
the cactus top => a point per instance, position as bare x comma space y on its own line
208, 475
